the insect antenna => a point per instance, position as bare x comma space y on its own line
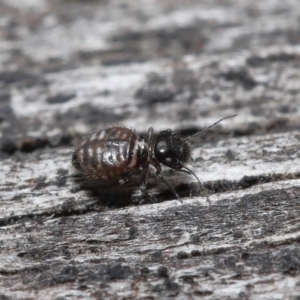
190, 172
206, 130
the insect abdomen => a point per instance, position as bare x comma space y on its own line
108, 155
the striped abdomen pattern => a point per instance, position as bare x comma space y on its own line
111, 154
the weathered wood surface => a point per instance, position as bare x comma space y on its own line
68, 68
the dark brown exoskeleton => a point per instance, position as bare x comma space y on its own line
113, 155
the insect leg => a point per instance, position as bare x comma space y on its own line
150, 135
159, 175
125, 178
143, 187
190, 172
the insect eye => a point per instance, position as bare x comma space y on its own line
162, 147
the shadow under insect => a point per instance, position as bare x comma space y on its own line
130, 193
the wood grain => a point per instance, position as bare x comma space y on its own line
70, 68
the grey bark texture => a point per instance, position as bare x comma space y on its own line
69, 68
